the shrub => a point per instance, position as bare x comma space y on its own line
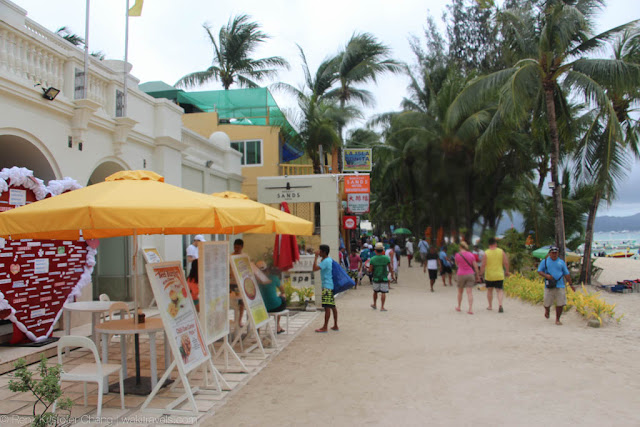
289, 290
46, 390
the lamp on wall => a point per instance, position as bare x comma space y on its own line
209, 163
49, 93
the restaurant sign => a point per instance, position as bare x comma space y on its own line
358, 203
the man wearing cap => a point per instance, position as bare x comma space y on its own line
555, 272
380, 268
192, 249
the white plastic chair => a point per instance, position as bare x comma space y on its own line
104, 298
120, 309
278, 314
88, 372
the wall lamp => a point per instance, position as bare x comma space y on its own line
49, 93
209, 163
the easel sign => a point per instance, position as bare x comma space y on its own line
248, 286
182, 330
213, 278
151, 255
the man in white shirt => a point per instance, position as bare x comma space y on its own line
409, 247
192, 249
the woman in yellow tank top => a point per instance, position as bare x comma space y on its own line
495, 267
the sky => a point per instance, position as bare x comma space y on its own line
168, 40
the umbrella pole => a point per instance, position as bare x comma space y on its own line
135, 306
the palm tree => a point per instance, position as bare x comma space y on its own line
602, 155
232, 61
553, 51
362, 61
319, 116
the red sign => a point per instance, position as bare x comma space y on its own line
349, 222
356, 184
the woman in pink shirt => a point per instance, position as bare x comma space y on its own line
467, 274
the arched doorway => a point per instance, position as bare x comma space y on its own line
19, 151
111, 275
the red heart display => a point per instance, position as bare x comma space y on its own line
38, 276
48, 272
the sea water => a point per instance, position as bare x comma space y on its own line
616, 241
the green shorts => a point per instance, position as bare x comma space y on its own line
328, 300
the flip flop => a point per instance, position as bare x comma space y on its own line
469, 312
489, 308
383, 309
457, 309
373, 306
320, 331
281, 331
335, 329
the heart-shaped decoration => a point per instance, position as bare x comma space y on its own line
41, 281
94, 243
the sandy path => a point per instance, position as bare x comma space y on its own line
423, 363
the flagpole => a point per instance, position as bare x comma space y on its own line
85, 87
126, 63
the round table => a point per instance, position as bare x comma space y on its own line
93, 307
135, 385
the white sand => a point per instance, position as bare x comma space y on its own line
422, 363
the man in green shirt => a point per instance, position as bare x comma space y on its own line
380, 267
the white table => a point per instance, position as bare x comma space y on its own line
94, 307
122, 327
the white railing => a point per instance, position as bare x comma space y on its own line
29, 61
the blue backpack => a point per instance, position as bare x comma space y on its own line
341, 280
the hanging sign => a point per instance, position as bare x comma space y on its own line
356, 159
358, 203
349, 222
178, 314
213, 280
356, 184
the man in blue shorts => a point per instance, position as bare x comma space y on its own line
326, 275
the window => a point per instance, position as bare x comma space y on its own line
251, 152
119, 103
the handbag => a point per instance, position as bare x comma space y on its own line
549, 283
478, 281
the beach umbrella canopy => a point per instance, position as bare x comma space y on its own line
402, 231
285, 248
128, 203
541, 253
277, 221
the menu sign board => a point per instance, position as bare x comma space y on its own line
178, 314
213, 277
248, 286
151, 255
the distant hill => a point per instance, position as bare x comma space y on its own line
617, 223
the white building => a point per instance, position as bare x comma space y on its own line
88, 139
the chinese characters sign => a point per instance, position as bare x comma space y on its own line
358, 203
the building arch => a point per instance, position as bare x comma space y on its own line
23, 149
105, 167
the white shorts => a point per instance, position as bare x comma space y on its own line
381, 287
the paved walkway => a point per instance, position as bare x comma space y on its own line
16, 408
423, 363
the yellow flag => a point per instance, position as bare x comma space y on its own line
136, 9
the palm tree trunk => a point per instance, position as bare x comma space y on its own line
585, 270
555, 159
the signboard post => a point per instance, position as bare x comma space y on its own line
183, 332
256, 310
213, 282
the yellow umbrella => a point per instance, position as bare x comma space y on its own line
277, 221
129, 203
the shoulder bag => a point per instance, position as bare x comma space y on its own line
549, 283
